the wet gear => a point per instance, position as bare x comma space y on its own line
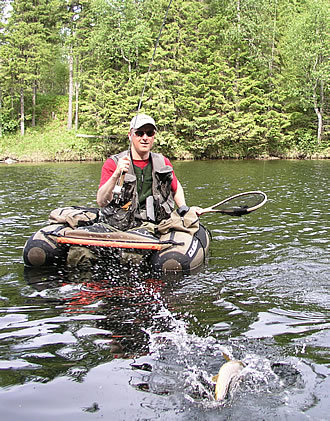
139, 184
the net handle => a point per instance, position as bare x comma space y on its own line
214, 209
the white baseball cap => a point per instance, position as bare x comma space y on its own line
140, 120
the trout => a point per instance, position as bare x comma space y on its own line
227, 374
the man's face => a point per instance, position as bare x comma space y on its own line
143, 140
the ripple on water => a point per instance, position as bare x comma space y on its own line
277, 322
264, 296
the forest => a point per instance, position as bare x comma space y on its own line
228, 79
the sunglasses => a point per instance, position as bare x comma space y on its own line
148, 132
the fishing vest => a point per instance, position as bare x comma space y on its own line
127, 212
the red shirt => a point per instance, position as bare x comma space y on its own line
109, 167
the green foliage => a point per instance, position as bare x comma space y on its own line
305, 51
228, 79
52, 144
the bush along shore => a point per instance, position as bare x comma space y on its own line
55, 143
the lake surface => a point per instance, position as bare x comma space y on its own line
129, 346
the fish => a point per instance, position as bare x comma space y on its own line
227, 374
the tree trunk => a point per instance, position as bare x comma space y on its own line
34, 102
0, 114
129, 64
319, 125
76, 120
12, 95
22, 112
70, 90
319, 113
318, 105
271, 63
237, 63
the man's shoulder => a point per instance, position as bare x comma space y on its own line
109, 163
168, 162
112, 160
161, 159
116, 156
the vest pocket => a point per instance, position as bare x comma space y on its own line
128, 188
163, 196
121, 216
164, 177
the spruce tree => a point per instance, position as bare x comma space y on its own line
26, 49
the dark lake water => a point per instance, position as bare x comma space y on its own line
129, 346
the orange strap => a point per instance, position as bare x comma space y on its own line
109, 243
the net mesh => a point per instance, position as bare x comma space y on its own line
242, 204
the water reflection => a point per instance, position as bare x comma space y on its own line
117, 312
124, 345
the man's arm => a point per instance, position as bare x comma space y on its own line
179, 196
104, 193
180, 200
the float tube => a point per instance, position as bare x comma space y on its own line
182, 249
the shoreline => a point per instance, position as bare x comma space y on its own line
13, 159
56, 145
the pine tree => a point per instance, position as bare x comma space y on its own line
26, 49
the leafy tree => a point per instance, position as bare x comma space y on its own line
305, 47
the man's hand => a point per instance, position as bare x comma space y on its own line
122, 166
197, 209
105, 192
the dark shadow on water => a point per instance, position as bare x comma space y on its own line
139, 318
126, 302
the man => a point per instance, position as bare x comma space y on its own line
150, 187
